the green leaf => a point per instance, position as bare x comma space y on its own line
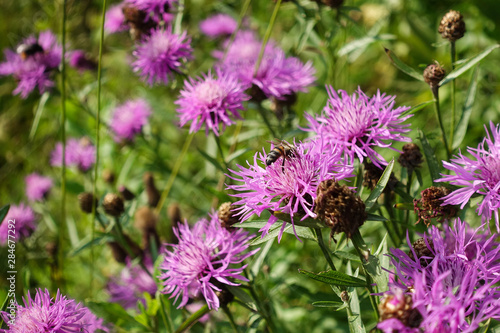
273, 233
468, 64
88, 242
375, 217
354, 316
258, 260
404, 67
114, 313
3, 212
381, 184
4, 305
211, 160
329, 304
346, 255
432, 161
417, 108
335, 278
242, 296
251, 225
461, 129
38, 113
297, 221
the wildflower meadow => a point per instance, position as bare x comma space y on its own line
249, 166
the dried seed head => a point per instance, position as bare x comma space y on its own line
108, 176
411, 157
429, 206
452, 26
433, 74
339, 207
85, 200
226, 217
113, 204
126, 193
151, 191
422, 250
372, 176
399, 306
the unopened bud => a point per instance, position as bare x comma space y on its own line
86, 199
226, 216
113, 204
126, 193
108, 176
452, 26
433, 74
151, 191
411, 157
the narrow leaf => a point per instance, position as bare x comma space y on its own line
417, 108
243, 296
404, 67
114, 313
38, 114
468, 64
461, 129
256, 264
273, 233
3, 212
211, 160
375, 217
329, 304
382, 182
334, 277
432, 161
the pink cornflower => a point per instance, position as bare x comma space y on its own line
157, 10
206, 258
129, 118
79, 60
477, 175
359, 124
37, 187
79, 153
23, 219
115, 20
212, 100
218, 25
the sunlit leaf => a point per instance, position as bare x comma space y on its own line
404, 67
461, 129
335, 278
381, 184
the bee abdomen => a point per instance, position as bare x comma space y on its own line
273, 156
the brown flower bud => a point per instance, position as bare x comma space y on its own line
151, 191
126, 193
372, 176
146, 219
430, 206
452, 26
433, 74
108, 176
113, 204
422, 250
401, 308
85, 200
120, 254
174, 213
339, 207
411, 157
226, 216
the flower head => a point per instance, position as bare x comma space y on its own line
45, 314
201, 261
115, 20
24, 223
477, 175
157, 10
212, 100
133, 282
289, 185
79, 60
277, 76
359, 123
218, 25
32, 63
79, 153
37, 186
129, 118
160, 55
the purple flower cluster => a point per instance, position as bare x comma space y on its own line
478, 175
277, 76
211, 100
37, 187
79, 60
219, 25
24, 221
201, 261
288, 186
33, 63
131, 285
455, 287
157, 10
79, 153
115, 20
128, 119
45, 314
160, 55
359, 124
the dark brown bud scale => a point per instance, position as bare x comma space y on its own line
452, 26
151, 191
401, 308
429, 206
126, 193
411, 157
339, 207
422, 250
433, 74
113, 204
226, 216
85, 200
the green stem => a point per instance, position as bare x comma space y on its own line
229, 315
167, 321
178, 19
267, 36
174, 173
219, 146
323, 248
193, 319
453, 106
435, 92
266, 120
260, 307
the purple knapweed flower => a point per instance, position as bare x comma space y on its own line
133, 282
277, 76
37, 187
479, 174
212, 100
359, 124
454, 286
22, 226
79, 153
157, 10
33, 63
160, 55
115, 20
128, 119
218, 25
290, 186
79, 60
202, 261
45, 314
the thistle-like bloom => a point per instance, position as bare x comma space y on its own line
479, 174
454, 286
201, 261
79, 153
212, 100
37, 187
218, 25
160, 55
79, 60
128, 119
33, 63
45, 314
287, 186
131, 285
157, 10
359, 124
277, 76
115, 20
23, 223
